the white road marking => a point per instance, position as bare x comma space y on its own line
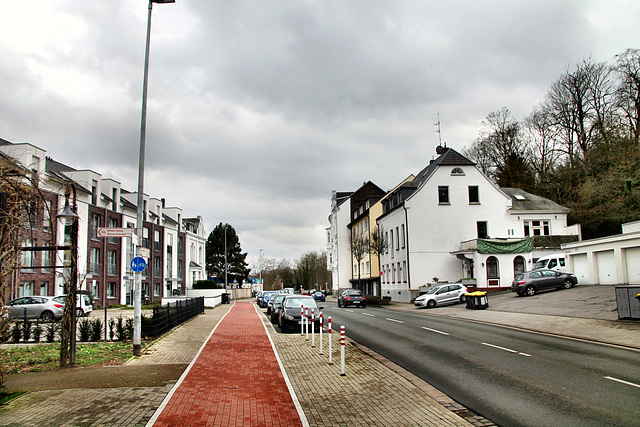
623, 382
506, 349
394, 320
435, 330
348, 311
367, 314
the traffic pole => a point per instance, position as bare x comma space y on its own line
320, 333
313, 328
342, 343
329, 332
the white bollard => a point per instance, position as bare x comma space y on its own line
329, 332
342, 343
320, 333
313, 328
301, 320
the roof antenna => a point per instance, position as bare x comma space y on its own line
439, 131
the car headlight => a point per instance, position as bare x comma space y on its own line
288, 316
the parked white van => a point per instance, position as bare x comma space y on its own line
551, 262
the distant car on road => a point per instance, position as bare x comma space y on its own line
531, 282
442, 294
38, 307
318, 296
351, 297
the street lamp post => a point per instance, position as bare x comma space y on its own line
69, 217
137, 309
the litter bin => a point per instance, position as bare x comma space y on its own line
477, 300
226, 297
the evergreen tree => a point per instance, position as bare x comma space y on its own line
237, 267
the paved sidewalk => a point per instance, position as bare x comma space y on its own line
235, 380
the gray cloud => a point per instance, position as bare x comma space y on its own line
258, 109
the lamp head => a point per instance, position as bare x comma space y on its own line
67, 216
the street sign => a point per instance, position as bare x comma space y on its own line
145, 252
138, 264
116, 232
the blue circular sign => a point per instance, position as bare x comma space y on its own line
138, 264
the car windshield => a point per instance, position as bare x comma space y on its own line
297, 302
540, 264
433, 291
354, 293
278, 298
519, 277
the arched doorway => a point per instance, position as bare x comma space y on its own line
493, 271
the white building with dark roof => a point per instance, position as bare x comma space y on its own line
452, 223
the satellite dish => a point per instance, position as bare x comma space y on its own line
439, 149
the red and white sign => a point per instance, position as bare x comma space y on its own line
116, 232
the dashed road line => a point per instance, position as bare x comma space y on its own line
435, 330
506, 349
367, 314
623, 382
394, 320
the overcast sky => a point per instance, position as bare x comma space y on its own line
258, 109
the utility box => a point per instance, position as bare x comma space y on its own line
627, 301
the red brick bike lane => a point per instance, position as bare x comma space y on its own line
235, 381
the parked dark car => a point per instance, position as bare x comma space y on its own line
276, 306
38, 307
351, 297
289, 316
318, 296
531, 282
271, 301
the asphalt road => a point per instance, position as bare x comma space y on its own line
512, 377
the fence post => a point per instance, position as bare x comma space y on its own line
342, 369
329, 332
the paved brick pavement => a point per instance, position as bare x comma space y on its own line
369, 394
235, 381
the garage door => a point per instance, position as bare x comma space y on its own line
606, 268
581, 269
633, 265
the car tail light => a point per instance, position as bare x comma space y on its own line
364, 298
522, 282
58, 305
347, 298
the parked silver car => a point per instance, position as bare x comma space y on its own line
38, 307
442, 294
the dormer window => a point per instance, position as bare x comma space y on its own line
457, 172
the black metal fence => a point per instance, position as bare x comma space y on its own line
173, 314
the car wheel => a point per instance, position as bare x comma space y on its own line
46, 316
364, 305
463, 299
431, 304
530, 291
520, 294
567, 284
79, 312
338, 303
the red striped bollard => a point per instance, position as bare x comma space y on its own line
321, 333
301, 319
313, 328
342, 343
306, 322
329, 332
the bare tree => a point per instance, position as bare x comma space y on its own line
359, 249
628, 90
579, 108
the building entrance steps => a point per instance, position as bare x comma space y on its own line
236, 380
